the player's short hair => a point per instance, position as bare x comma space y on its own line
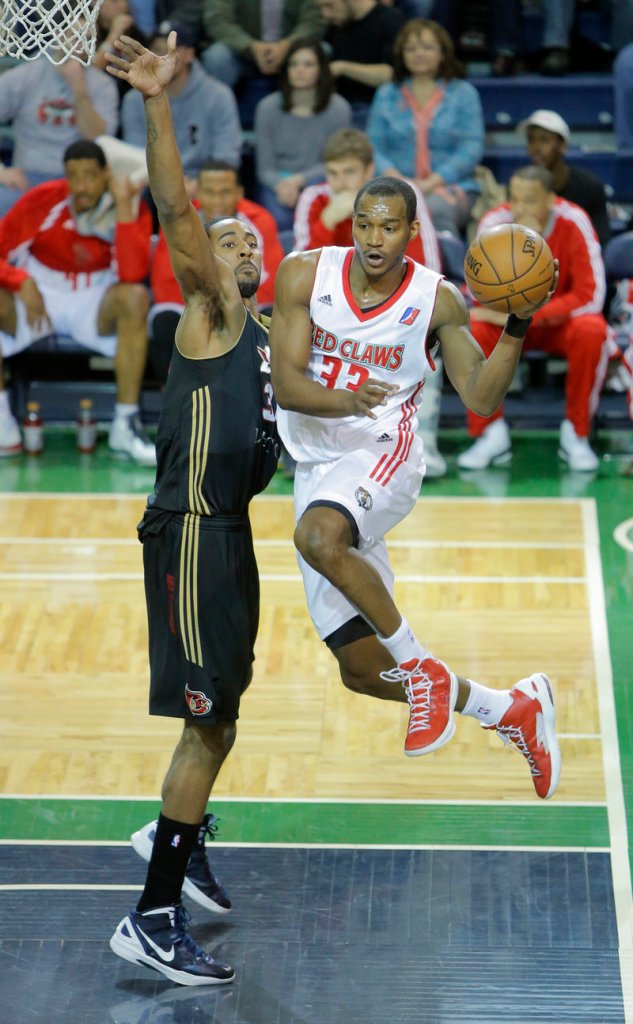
85, 150
346, 143
450, 67
532, 172
219, 165
218, 220
387, 186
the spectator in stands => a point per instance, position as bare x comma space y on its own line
292, 127
547, 136
219, 194
623, 97
360, 34
252, 37
145, 14
49, 107
204, 111
114, 19
324, 217
73, 255
571, 325
428, 126
504, 35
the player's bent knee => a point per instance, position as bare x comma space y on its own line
131, 300
217, 737
317, 543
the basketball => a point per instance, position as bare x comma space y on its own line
509, 268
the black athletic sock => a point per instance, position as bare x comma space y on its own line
173, 844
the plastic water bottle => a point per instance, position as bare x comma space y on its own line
32, 429
86, 427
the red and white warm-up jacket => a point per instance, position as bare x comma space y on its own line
311, 232
165, 287
41, 224
574, 243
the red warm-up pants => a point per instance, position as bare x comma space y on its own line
582, 342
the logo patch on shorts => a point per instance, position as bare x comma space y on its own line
198, 702
364, 498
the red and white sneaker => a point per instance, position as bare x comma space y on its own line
431, 690
529, 727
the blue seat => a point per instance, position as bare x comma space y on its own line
585, 101
452, 252
618, 256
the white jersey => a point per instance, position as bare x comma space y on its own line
349, 345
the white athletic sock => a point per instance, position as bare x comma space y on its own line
486, 705
123, 411
403, 645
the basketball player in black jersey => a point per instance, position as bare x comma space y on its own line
216, 448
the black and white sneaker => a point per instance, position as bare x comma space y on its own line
200, 884
159, 939
127, 439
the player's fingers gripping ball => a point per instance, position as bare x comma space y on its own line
509, 268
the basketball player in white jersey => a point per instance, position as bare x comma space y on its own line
352, 337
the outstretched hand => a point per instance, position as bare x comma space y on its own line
145, 71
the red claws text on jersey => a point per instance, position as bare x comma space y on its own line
389, 357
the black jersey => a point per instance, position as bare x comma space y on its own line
217, 443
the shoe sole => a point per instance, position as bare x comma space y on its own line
128, 950
499, 460
120, 453
6, 453
449, 731
143, 847
546, 700
562, 454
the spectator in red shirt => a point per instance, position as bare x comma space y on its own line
571, 325
324, 217
74, 253
219, 193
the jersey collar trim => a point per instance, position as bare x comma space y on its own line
363, 315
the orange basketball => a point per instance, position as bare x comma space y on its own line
509, 268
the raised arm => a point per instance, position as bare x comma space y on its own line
290, 344
480, 383
194, 263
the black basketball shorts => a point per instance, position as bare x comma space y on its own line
202, 593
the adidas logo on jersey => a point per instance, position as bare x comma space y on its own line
325, 299
384, 437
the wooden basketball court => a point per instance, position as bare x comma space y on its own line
379, 859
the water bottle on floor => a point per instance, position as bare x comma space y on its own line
86, 427
32, 432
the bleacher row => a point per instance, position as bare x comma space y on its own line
57, 373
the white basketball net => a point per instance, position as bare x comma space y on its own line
60, 29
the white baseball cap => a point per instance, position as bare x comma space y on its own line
547, 119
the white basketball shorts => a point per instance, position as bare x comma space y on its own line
378, 489
73, 309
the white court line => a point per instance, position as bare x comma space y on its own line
364, 801
283, 577
428, 500
616, 811
269, 542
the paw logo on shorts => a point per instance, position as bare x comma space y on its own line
199, 703
364, 498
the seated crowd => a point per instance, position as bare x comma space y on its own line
348, 89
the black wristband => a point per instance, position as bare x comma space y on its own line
517, 327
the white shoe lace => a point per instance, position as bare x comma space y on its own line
418, 693
513, 737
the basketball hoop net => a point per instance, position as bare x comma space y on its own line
59, 29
